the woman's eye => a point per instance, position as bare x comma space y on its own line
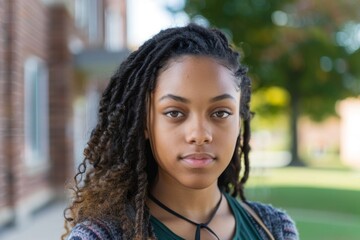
221, 114
174, 114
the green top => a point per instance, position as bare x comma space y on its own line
245, 228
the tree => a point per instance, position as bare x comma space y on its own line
307, 47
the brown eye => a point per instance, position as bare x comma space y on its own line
174, 114
221, 114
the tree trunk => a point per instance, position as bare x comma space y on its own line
294, 116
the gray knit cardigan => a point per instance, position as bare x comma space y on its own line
277, 221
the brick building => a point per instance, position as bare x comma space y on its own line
50, 81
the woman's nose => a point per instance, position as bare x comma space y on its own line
199, 133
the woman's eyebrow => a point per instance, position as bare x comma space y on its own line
222, 97
184, 100
174, 97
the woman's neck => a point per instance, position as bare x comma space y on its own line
195, 204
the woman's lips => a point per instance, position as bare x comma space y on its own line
198, 160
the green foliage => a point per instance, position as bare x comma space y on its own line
310, 48
292, 44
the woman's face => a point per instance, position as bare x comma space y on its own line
193, 121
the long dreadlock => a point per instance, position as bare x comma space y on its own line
113, 179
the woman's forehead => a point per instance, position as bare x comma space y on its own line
196, 75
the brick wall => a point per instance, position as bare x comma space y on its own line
30, 40
61, 75
3, 118
23, 34
43, 31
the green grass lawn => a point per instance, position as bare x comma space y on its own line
324, 204
326, 225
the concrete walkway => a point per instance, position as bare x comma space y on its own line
45, 225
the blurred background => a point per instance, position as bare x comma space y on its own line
56, 57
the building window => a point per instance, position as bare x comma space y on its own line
81, 13
36, 112
85, 119
88, 16
113, 30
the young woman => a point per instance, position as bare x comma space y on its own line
169, 155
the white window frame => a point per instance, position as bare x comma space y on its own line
81, 13
36, 113
113, 30
88, 17
85, 120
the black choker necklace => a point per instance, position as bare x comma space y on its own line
199, 226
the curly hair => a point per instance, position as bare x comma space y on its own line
118, 167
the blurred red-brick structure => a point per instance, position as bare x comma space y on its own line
50, 75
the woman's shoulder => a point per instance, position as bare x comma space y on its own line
276, 220
95, 229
